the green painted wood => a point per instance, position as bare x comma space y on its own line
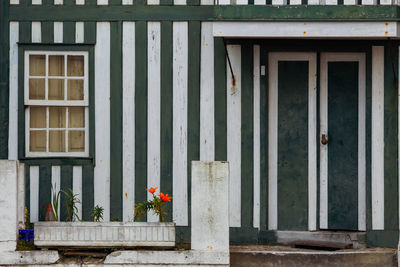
69, 2
243, 235
66, 184
25, 2
343, 145
115, 2
139, 2
27, 188
141, 112
193, 101
47, 2
263, 142
90, 2
391, 137
166, 113
44, 189
47, 32
368, 138
116, 122
383, 238
4, 94
57, 161
92, 143
69, 32
87, 192
25, 32
247, 146
220, 124
292, 145
90, 32
193, 2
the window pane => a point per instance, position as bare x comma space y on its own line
36, 89
56, 65
76, 117
37, 141
75, 89
37, 65
56, 89
76, 141
57, 117
57, 141
75, 65
37, 117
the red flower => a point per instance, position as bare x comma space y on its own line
165, 197
152, 190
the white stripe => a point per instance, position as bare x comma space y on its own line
14, 2
313, 2
206, 2
21, 193
102, 2
58, 32
279, 2
102, 121
241, 2
79, 32
377, 138
223, 2
179, 2
260, 2
398, 144
331, 2
207, 93
36, 32
127, 2
234, 124
80, 2
128, 92
256, 144
13, 97
55, 185
34, 193
349, 2
295, 2
386, 2
369, 2
58, 2
77, 187
180, 123
153, 2
153, 109
36, 2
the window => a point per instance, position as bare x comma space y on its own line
56, 104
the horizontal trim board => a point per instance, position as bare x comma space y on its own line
306, 30
206, 12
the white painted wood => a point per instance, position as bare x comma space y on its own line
256, 134
77, 187
34, 193
14, 2
153, 2
102, 2
58, 2
180, 123
127, 2
58, 31
242, 2
102, 122
234, 135
331, 2
350, 2
295, 2
179, 2
279, 2
398, 143
206, 2
306, 30
13, 93
79, 32
128, 117
313, 2
153, 109
55, 186
207, 146
36, 32
377, 139
21, 193
260, 2
387, 2
80, 2
36, 2
223, 2
369, 2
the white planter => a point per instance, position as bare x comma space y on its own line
104, 234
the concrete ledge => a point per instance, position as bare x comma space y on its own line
29, 257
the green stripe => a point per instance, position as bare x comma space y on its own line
140, 111
166, 2
115, 2
90, 32
4, 64
247, 155
44, 189
66, 184
166, 113
28, 188
87, 192
24, 2
391, 137
193, 101
116, 122
139, 3
220, 99
90, 3
69, 2
193, 2
47, 2
69, 32
92, 138
25, 32
47, 32
368, 139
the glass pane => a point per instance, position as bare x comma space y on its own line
76, 141
76, 117
36, 89
37, 141
75, 65
57, 117
37, 65
75, 89
57, 141
56, 89
37, 117
56, 65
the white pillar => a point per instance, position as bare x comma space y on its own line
210, 208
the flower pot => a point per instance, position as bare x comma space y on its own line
104, 234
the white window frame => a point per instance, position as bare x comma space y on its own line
56, 103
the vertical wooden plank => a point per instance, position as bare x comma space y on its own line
207, 93
256, 136
44, 189
102, 111
102, 2
36, 2
153, 2
14, 2
47, 32
260, 2
33, 193
4, 79
128, 150
21, 192
323, 206
331, 2
55, 185
28, 192
279, 2
66, 185
264, 139
377, 139
58, 32
223, 2
58, 2
362, 166
79, 32
127, 2
90, 32
180, 122
87, 192
369, 2
242, 2
77, 187
115, 2
179, 2
80, 2
69, 32
36, 32
350, 2
153, 108
234, 115
116, 122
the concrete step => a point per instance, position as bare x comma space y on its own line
279, 256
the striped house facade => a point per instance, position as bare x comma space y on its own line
164, 89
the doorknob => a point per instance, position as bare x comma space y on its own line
324, 139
